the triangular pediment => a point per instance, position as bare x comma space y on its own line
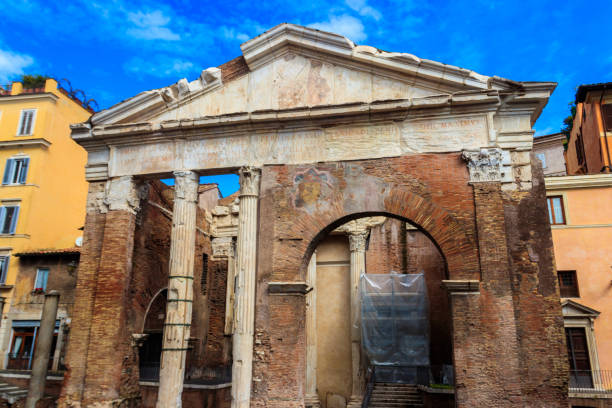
290, 67
575, 309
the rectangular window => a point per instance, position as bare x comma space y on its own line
579, 144
606, 114
26, 122
556, 212
568, 284
42, 274
8, 219
16, 171
542, 158
4, 261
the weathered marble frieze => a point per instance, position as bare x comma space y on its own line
337, 143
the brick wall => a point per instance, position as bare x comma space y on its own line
300, 204
133, 251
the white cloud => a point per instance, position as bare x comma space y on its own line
12, 64
162, 66
363, 9
232, 34
346, 25
151, 26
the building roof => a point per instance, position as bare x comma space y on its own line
50, 252
549, 138
229, 199
584, 89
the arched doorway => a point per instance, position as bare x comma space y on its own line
337, 367
150, 351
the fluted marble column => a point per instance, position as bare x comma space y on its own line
180, 290
311, 398
357, 242
246, 261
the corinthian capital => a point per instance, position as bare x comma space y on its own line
484, 165
249, 181
186, 185
357, 241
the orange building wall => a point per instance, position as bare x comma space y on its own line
585, 245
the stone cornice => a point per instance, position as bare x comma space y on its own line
149, 103
398, 109
35, 143
584, 181
29, 97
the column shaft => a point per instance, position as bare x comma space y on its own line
180, 290
58, 346
43, 349
311, 398
246, 262
229, 293
357, 243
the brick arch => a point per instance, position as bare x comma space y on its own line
457, 248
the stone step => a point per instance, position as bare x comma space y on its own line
383, 397
395, 392
392, 395
12, 393
18, 394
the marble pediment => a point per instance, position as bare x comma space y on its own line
291, 66
575, 309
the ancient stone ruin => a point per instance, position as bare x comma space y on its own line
352, 161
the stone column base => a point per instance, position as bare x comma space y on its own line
354, 402
312, 401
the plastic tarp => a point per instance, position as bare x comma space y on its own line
395, 319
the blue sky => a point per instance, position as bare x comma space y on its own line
115, 49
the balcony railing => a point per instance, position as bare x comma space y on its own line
590, 381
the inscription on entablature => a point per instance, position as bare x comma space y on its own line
444, 135
301, 146
357, 142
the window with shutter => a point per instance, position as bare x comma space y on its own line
4, 261
42, 275
26, 122
16, 171
8, 219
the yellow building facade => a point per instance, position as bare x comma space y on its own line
43, 190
